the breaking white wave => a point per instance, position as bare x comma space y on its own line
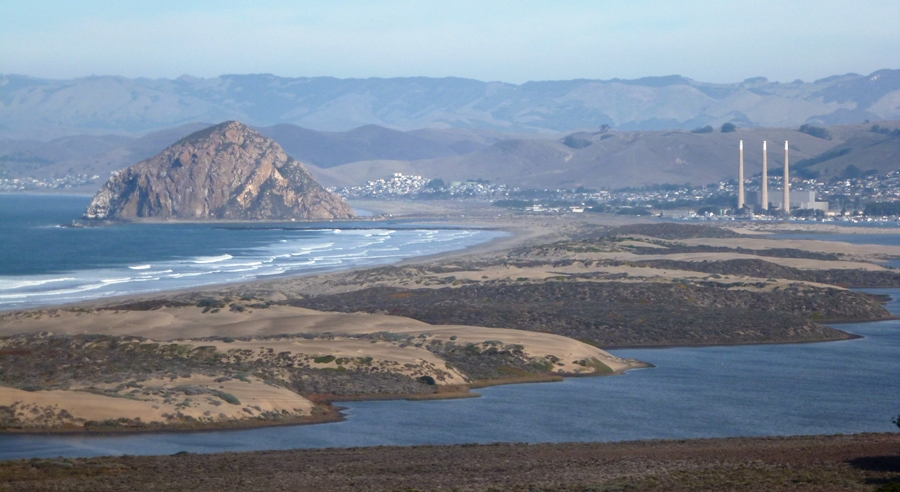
156, 273
296, 252
18, 284
116, 280
211, 259
252, 263
182, 275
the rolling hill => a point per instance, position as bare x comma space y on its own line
84, 154
329, 149
620, 159
607, 158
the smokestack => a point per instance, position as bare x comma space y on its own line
741, 176
787, 182
764, 196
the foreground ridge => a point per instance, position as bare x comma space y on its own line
843, 462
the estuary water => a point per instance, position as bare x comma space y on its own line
43, 262
761, 390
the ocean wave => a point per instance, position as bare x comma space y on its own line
107, 281
348, 255
370, 243
193, 274
315, 248
252, 263
58, 292
160, 272
211, 259
18, 284
302, 263
241, 270
356, 247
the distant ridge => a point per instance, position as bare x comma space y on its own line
227, 171
616, 159
593, 159
44, 109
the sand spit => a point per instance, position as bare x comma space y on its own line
273, 340
200, 399
184, 324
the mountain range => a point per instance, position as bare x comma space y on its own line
42, 109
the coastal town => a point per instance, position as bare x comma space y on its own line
843, 197
27, 184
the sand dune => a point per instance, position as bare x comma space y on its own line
367, 342
71, 408
185, 323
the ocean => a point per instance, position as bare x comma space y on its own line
43, 261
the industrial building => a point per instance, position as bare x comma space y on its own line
805, 200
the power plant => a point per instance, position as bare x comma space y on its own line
761, 198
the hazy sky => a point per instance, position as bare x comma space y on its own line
512, 41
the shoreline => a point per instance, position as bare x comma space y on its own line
519, 231
333, 413
513, 237
850, 336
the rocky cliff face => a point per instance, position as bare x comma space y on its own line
228, 172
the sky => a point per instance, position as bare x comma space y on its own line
510, 41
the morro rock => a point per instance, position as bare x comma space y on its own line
225, 172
